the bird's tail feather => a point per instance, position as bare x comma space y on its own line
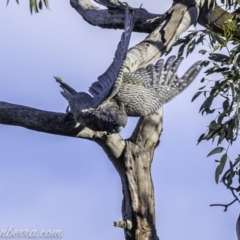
191, 74
171, 84
66, 95
65, 86
163, 77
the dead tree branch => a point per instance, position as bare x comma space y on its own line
224, 205
113, 17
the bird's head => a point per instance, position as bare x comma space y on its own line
112, 118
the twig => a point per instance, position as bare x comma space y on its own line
224, 205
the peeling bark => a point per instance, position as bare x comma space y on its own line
212, 18
138, 156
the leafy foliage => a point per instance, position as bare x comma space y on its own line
35, 5
223, 52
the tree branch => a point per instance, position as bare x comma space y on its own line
172, 24
224, 205
214, 19
55, 123
114, 17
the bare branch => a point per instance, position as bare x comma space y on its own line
38, 120
224, 205
211, 18
55, 123
114, 17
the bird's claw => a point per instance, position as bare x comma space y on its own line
68, 117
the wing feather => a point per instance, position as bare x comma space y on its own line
144, 91
102, 87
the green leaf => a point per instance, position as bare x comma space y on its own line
230, 176
191, 47
216, 150
200, 39
216, 69
202, 87
202, 51
236, 60
216, 47
220, 40
205, 63
217, 57
237, 160
225, 104
46, 4
207, 103
217, 173
178, 42
33, 6
200, 138
196, 95
40, 4
214, 125
180, 50
220, 167
9, 1
221, 137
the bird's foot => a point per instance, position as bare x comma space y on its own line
68, 117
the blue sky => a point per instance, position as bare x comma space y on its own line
55, 182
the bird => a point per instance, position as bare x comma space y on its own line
118, 93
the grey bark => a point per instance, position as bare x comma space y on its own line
211, 16
113, 17
131, 158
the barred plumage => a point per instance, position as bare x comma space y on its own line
99, 112
118, 94
143, 92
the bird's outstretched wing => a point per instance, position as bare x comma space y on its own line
144, 91
102, 87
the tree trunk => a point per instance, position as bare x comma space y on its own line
131, 158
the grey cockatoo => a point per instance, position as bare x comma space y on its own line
118, 94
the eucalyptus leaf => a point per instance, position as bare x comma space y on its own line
220, 167
196, 95
215, 151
